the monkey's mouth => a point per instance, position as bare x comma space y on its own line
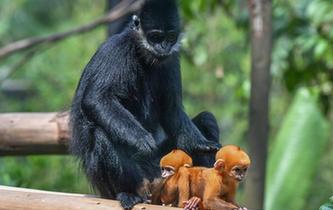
239, 178
161, 56
165, 173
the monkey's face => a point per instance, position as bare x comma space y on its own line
158, 42
162, 43
238, 172
159, 28
167, 171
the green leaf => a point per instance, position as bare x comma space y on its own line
296, 154
320, 48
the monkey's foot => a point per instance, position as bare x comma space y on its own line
128, 200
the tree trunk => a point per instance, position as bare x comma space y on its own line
261, 41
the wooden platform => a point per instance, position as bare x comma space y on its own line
12, 198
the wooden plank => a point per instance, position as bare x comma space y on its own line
33, 133
12, 198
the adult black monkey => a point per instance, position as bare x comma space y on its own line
127, 111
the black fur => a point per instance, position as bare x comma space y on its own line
127, 112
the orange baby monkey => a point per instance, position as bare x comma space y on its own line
167, 192
231, 166
219, 183
215, 187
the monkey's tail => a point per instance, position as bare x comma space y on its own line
207, 124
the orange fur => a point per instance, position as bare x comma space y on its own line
215, 187
176, 158
167, 192
232, 156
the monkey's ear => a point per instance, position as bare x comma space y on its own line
136, 22
187, 165
219, 164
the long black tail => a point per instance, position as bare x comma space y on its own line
207, 124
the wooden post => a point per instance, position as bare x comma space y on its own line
25, 199
33, 133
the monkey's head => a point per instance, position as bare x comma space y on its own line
232, 161
171, 162
158, 28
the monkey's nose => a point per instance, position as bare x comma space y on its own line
165, 45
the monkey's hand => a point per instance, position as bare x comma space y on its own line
239, 207
207, 146
192, 204
146, 145
198, 146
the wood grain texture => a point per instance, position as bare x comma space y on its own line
12, 198
33, 133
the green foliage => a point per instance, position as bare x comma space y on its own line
53, 173
211, 80
53, 74
303, 54
295, 155
327, 206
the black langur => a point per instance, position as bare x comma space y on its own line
127, 111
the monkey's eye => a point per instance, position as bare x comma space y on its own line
172, 36
166, 169
237, 170
245, 169
136, 20
156, 37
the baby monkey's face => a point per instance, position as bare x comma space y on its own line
238, 172
167, 171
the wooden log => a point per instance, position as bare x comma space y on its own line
33, 133
26, 199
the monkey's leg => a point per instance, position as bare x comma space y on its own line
128, 200
102, 164
183, 187
218, 204
207, 125
113, 173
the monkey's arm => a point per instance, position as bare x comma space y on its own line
96, 100
211, 198
231, 196
176, 122
115, 119
157, 189
183, 186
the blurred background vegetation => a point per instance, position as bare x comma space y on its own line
215, 71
